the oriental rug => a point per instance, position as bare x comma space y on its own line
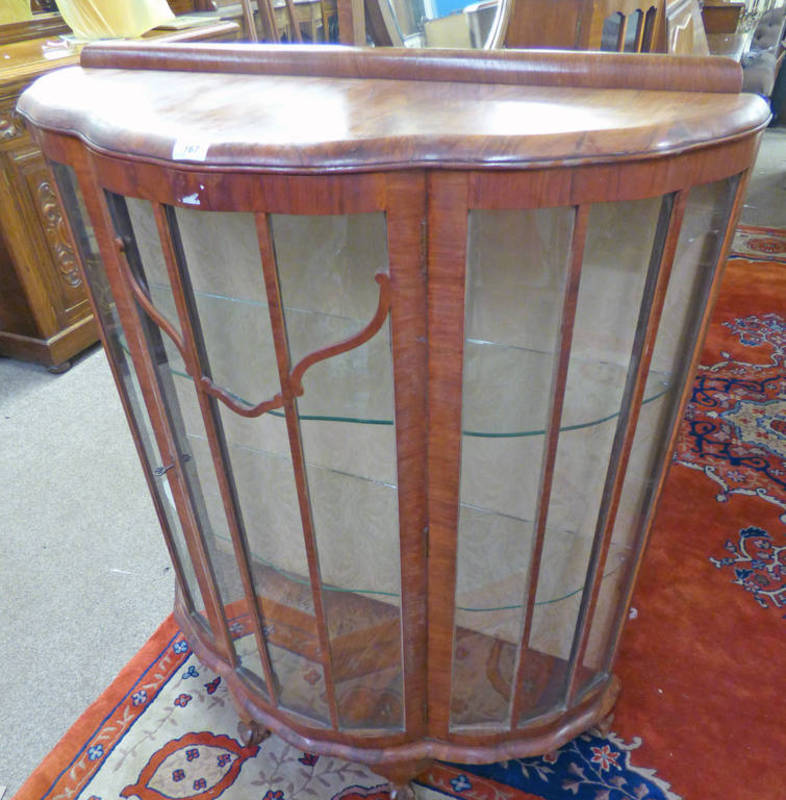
702, 660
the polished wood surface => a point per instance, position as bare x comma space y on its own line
509, 131
44, 311
533, 68
439, 121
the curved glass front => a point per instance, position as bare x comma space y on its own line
532, 631
281, 404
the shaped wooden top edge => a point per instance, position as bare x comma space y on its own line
655, 72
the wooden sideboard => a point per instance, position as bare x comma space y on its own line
44, 311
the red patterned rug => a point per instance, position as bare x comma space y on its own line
702, 713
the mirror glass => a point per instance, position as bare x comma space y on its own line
441, 23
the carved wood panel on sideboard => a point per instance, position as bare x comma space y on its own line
44, 312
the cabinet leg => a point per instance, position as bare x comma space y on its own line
405, 792
57, 369
252, 733
603, 726
400, 776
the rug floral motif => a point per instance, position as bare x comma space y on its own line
175, 735
751, 241
734, 430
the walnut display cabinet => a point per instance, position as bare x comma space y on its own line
402, 339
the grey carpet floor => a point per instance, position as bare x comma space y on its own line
84, 575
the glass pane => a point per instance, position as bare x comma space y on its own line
145, 232
697, 251
120, 357
224, 268
516, 267
291, 647
346, 426
617, 254
226, 280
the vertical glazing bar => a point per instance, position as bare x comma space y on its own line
66, 196
115, 254
278, 324
654, 295
558, 386
709, 294
197, 366
407, 253
447, 266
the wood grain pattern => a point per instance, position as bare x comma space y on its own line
406, 209
447, 248
584, 145
445, 124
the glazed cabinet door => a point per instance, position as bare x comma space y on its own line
285, 420
559, 326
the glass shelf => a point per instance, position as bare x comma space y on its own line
500, 398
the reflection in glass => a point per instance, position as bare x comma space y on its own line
611, 32
514, 309
239, 356
516, 266
129, 383
329, 294
695, 261
617, 255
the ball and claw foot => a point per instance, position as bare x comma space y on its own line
402, 792
604, 725
252, 733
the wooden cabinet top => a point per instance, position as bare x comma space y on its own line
346, 109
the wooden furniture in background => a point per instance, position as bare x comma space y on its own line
685, 29
616, 25
404, 396
721, 16
309, 21
44, 312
